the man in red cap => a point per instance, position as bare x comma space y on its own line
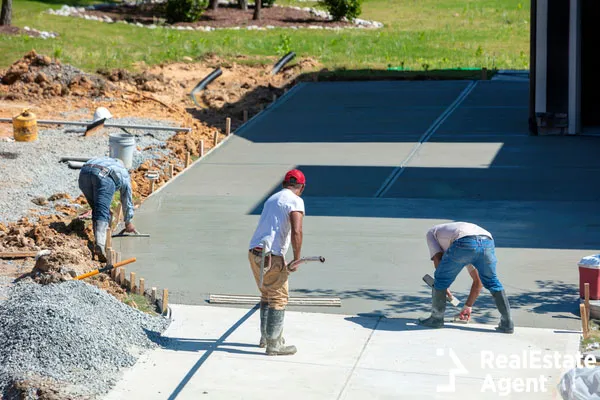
280, 224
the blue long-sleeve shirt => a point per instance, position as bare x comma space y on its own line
125, 182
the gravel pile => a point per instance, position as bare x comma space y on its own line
71, 333
32, 169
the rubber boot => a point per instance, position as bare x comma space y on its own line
438, 307
100, 228
275, 343
264, 309
506, 323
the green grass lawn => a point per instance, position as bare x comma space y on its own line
418, 35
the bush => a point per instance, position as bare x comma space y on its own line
342, 8
268, 3
185, 10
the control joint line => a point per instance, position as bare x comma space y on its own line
393, 177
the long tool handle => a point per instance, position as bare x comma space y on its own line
105, 269
306, 259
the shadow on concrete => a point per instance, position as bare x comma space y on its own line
199, 345
479, 195
261, 97
549, 297
404, 324
208, 345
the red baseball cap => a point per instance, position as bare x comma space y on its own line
295, 176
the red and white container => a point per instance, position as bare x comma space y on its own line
589, 272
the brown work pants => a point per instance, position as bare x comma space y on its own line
275, 281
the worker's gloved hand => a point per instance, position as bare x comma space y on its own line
465, 314
129, 227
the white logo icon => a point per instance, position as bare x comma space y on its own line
459, 368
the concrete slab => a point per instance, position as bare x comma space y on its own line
212, 353
534, 194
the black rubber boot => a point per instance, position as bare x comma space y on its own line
264, 309
438, 307
506, 323
275, 343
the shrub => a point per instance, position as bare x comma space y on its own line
268, 3
185, 10
342, 8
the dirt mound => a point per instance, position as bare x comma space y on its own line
37, 75
62, 246
141, 81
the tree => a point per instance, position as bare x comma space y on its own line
243, 4
257, 7
213, 4
6, 13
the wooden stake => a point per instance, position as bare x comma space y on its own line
245, 116
121, 276
151, 185
141, 288
165, 300
216, 137
108, 251
274, 98
113, 256
153, 295
227, 126
584, 320
587, 299
171, 171
132, 282
201, 149
108, 244
187, 159
484, 74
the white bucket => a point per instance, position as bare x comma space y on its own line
121, 146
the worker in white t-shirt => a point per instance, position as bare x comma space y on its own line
280, 225
453, 246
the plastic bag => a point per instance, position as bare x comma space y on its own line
580, 384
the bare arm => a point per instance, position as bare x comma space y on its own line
296, 218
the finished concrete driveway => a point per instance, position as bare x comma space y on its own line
385, 161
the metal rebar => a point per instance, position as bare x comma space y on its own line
107, 125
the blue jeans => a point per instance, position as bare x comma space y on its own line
476, 250
98, 191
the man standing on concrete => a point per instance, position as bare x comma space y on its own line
280, 224
451, 247
99, 179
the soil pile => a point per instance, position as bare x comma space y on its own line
37, 75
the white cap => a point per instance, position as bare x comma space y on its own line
101, 112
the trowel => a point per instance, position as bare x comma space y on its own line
429, 281
123, 233
452, 300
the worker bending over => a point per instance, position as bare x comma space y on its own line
451, 247
99, 179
